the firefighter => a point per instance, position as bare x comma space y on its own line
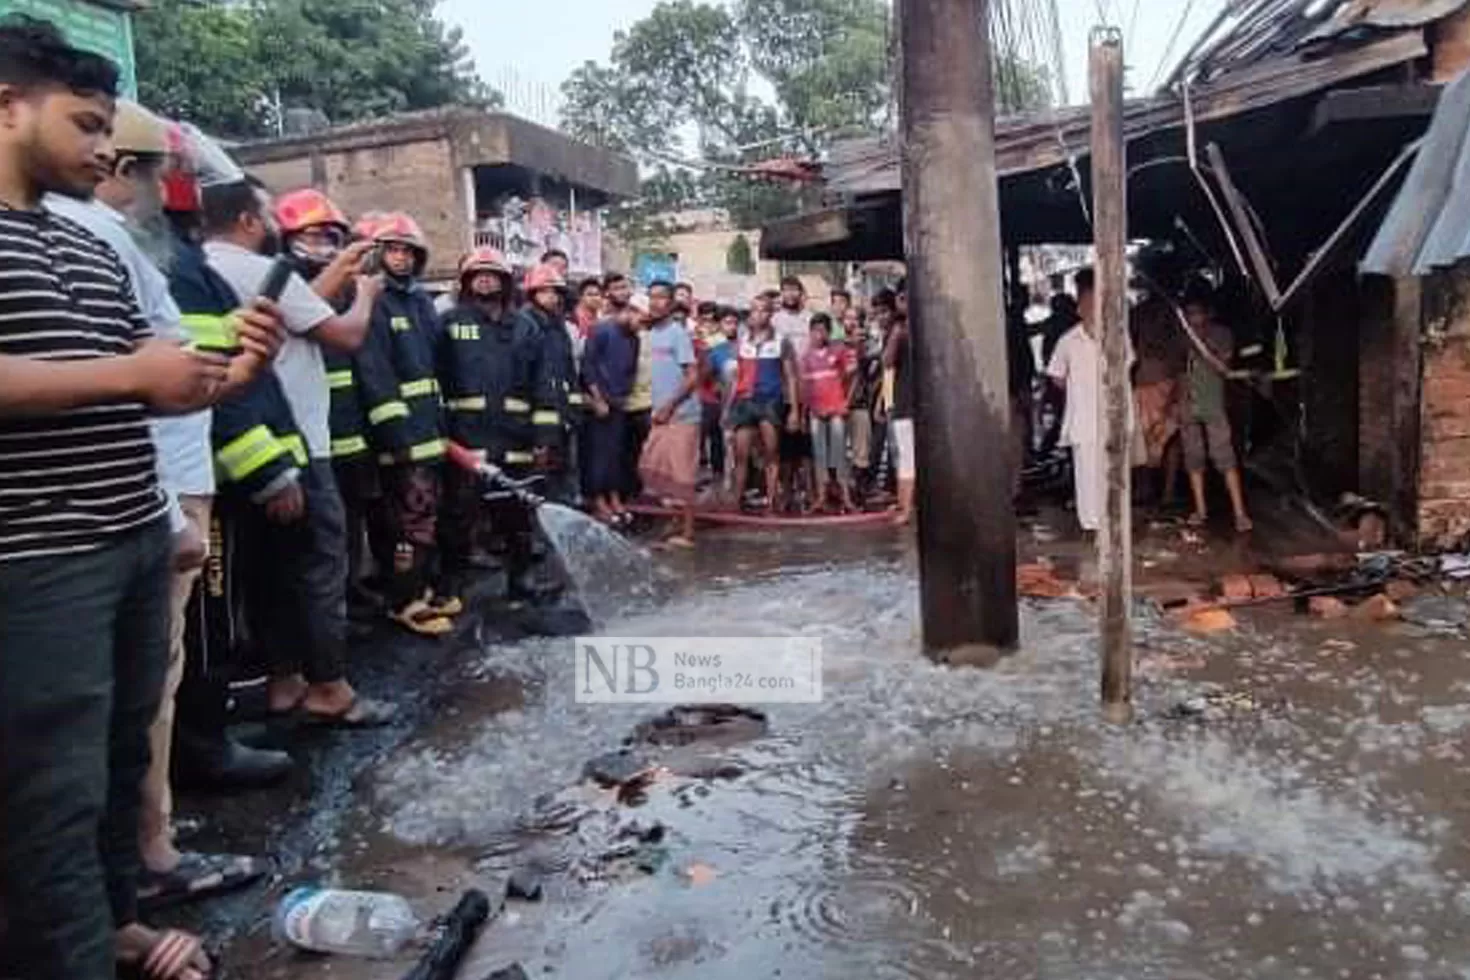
559, 397
399, 391
489, 364
315, 234
203, 753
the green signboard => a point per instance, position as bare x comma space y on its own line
101, 27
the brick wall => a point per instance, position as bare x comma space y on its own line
420, 178
1444, 470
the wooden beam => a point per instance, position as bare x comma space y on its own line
1408, 375
1244, 226
967, 521
1372, 102
1110, 223
1329, 248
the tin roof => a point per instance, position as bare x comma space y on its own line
1357, 15
1251, 31
1032, 141
1428, 226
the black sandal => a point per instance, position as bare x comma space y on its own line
198, 876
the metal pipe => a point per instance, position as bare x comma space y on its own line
1194, 167
1309, 271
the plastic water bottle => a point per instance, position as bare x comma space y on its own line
324, 920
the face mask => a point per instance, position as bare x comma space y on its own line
313, 257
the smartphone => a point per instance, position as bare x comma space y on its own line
372, 262
275, 280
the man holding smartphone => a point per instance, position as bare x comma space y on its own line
309, 669
85, 552
127, 213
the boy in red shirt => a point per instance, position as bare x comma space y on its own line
825, 368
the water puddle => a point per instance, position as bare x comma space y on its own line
929, 822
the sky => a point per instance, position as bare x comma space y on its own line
526, 50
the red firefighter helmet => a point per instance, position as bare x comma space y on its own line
484, 259
397, 227
180, 186
197, 162
543, 276
302, 209
366, 228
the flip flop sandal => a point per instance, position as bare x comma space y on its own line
196, 877
419, 618
362, 713
174, 956
678, 541
447, 605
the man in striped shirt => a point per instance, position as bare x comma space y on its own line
85, 551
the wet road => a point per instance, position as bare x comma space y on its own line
921, 821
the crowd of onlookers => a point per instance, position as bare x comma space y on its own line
774, 408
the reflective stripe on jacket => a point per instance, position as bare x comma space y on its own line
395, 377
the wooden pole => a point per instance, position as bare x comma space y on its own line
1110, 230
967, 520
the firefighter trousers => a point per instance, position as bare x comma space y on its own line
404, 530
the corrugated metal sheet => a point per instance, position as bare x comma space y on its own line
1384, 15
1428, 226
1033, 141
1248, 32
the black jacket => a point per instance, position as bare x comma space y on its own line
257, 447
553, 407
491, 373
395, 377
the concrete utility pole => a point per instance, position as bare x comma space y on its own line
967, 519
1110, 232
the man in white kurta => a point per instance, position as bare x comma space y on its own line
1077, 365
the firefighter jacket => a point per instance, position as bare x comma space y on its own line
490, 370
552, 407
348, 420
395, 377
257, 447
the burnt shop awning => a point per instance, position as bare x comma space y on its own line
1042, 159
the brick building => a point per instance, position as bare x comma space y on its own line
470, 177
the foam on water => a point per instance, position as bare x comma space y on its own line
1267, 811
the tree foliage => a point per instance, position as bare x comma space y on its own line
230, 67
198, 63
828, 60
1021, 86
682, 85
